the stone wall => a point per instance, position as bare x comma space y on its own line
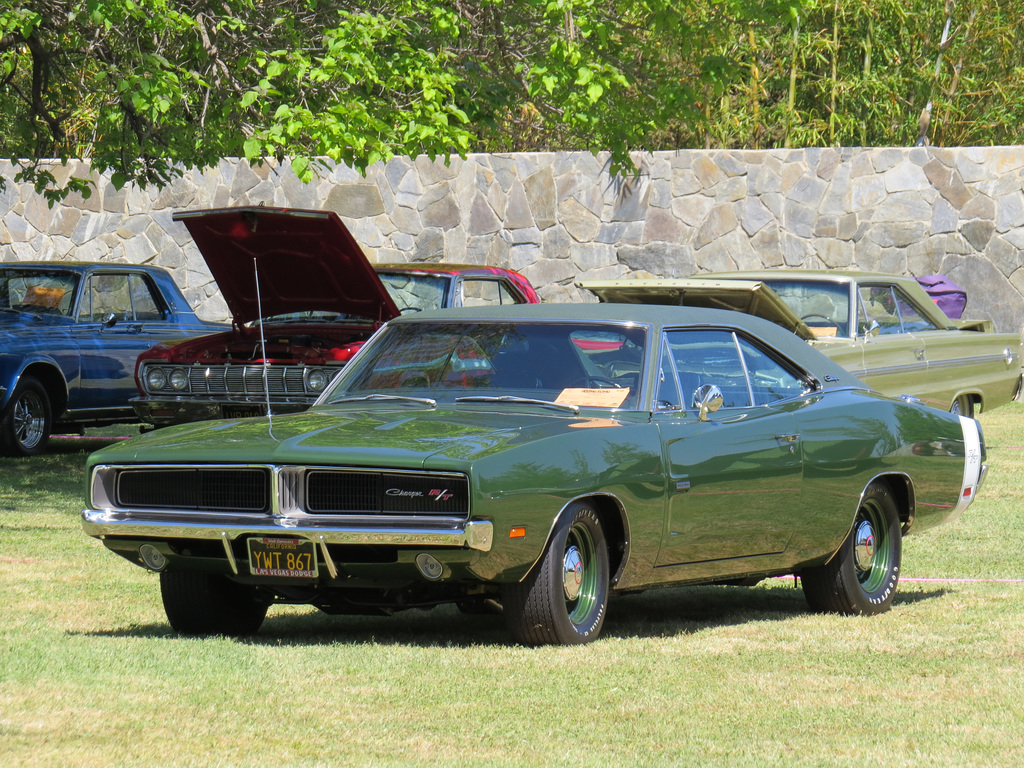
557, 217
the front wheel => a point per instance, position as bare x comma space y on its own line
861, 578
199, 603
563, 600
25, 423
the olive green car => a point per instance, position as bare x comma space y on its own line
541, 458
882, 328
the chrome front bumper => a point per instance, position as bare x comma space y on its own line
164, 412
475, 534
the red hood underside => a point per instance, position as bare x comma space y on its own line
306, 260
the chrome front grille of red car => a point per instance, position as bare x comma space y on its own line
248, 379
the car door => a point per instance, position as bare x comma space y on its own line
735, 479
120, 315
895, 357
960, 361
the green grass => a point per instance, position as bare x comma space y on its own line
90, 674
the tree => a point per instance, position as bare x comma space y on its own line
145, 89
862, 73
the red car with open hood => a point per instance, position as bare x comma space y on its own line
303, 299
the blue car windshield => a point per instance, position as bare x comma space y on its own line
575, 363
40, 291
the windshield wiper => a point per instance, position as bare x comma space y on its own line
380, 396
317, 321
520, 400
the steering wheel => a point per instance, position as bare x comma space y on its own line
814, 315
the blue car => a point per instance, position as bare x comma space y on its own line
70, 334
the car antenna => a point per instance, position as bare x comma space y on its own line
263, 338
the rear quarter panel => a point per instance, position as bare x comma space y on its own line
851, 437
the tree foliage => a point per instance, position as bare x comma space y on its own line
871, 73
146, 89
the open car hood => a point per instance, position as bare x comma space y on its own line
307, 260
749, 296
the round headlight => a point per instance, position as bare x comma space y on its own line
156, 378
178, 379
317, 379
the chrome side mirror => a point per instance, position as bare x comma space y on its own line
707, 399
871, 329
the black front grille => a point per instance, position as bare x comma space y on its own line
214, 490
355, 492
342, 492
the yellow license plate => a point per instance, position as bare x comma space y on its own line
288, 558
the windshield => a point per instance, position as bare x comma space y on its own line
823, 307
574, 363
414, 293
41, 291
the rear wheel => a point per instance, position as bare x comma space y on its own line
861, 578
25, 423
564, 598
963, 406
199, 603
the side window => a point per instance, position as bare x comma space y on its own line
668, 387
709, 357
888, 309
769, 379
485, 293
144, 304
878, 310
913, 320
106, 295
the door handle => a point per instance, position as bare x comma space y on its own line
790, 440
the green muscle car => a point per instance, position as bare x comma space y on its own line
541, 458
884, 329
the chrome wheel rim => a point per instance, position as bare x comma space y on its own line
579, 574
29, 420
872, 555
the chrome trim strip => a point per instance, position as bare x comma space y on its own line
963, 361
475, 534
931, 365
228, 551
882, 371
331, 566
